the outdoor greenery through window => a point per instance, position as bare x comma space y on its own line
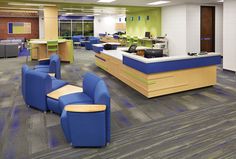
69, 28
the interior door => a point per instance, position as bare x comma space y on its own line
208, 28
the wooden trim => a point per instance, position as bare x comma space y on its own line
65, 90
43, 59
52, 74
85, 108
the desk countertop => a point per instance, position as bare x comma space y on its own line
42, 41
119, 53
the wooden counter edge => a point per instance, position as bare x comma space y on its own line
43, 59
85, 108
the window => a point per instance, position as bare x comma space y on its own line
69, 28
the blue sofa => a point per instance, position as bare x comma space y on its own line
35, 87
97, 125
52, 65
89, 44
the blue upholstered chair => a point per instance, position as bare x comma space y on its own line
52, 65
87, 129
77, 38
89, 44
24, 70
35, 87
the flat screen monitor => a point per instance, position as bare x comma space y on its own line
147, 34
132, 48
153, 53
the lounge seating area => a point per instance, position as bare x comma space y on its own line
84, 112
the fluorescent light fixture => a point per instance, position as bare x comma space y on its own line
30, 4
221, 1
69, 13
96, 14
106, 1
158, 3
14, 8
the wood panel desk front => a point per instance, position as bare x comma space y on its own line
39, 50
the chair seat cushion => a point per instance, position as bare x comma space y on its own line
53, 105
75, 98
57, 83
41, 66
42, 69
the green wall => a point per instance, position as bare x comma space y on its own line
138, 28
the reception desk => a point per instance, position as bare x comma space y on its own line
160, 76
39, 49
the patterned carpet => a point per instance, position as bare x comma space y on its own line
193, 124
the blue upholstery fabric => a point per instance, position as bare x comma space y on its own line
102, 96
53, 105
89, 45
87, 129
37, 86
53, 67
77, 38
57, 83
42, 69
75, 98
24, 70
79, 128
149, 68
65, 126
44, 62
89, 84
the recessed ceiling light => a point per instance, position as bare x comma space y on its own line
106, 1
158, 2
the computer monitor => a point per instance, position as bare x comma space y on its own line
147, 34
153, 53
132, 48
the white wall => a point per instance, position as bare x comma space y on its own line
229, 38
193, 34
104, 24
219, 29
182, 24
41, 25
174, 25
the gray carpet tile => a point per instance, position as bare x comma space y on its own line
194, 124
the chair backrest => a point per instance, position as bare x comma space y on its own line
24, 70
55, 65
52, 45
89, 84
37, 86
102, 96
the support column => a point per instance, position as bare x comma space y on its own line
50, 23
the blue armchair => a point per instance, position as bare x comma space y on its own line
24, 70
87, 128
35, 87
52, 65
89, 45
77, 38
